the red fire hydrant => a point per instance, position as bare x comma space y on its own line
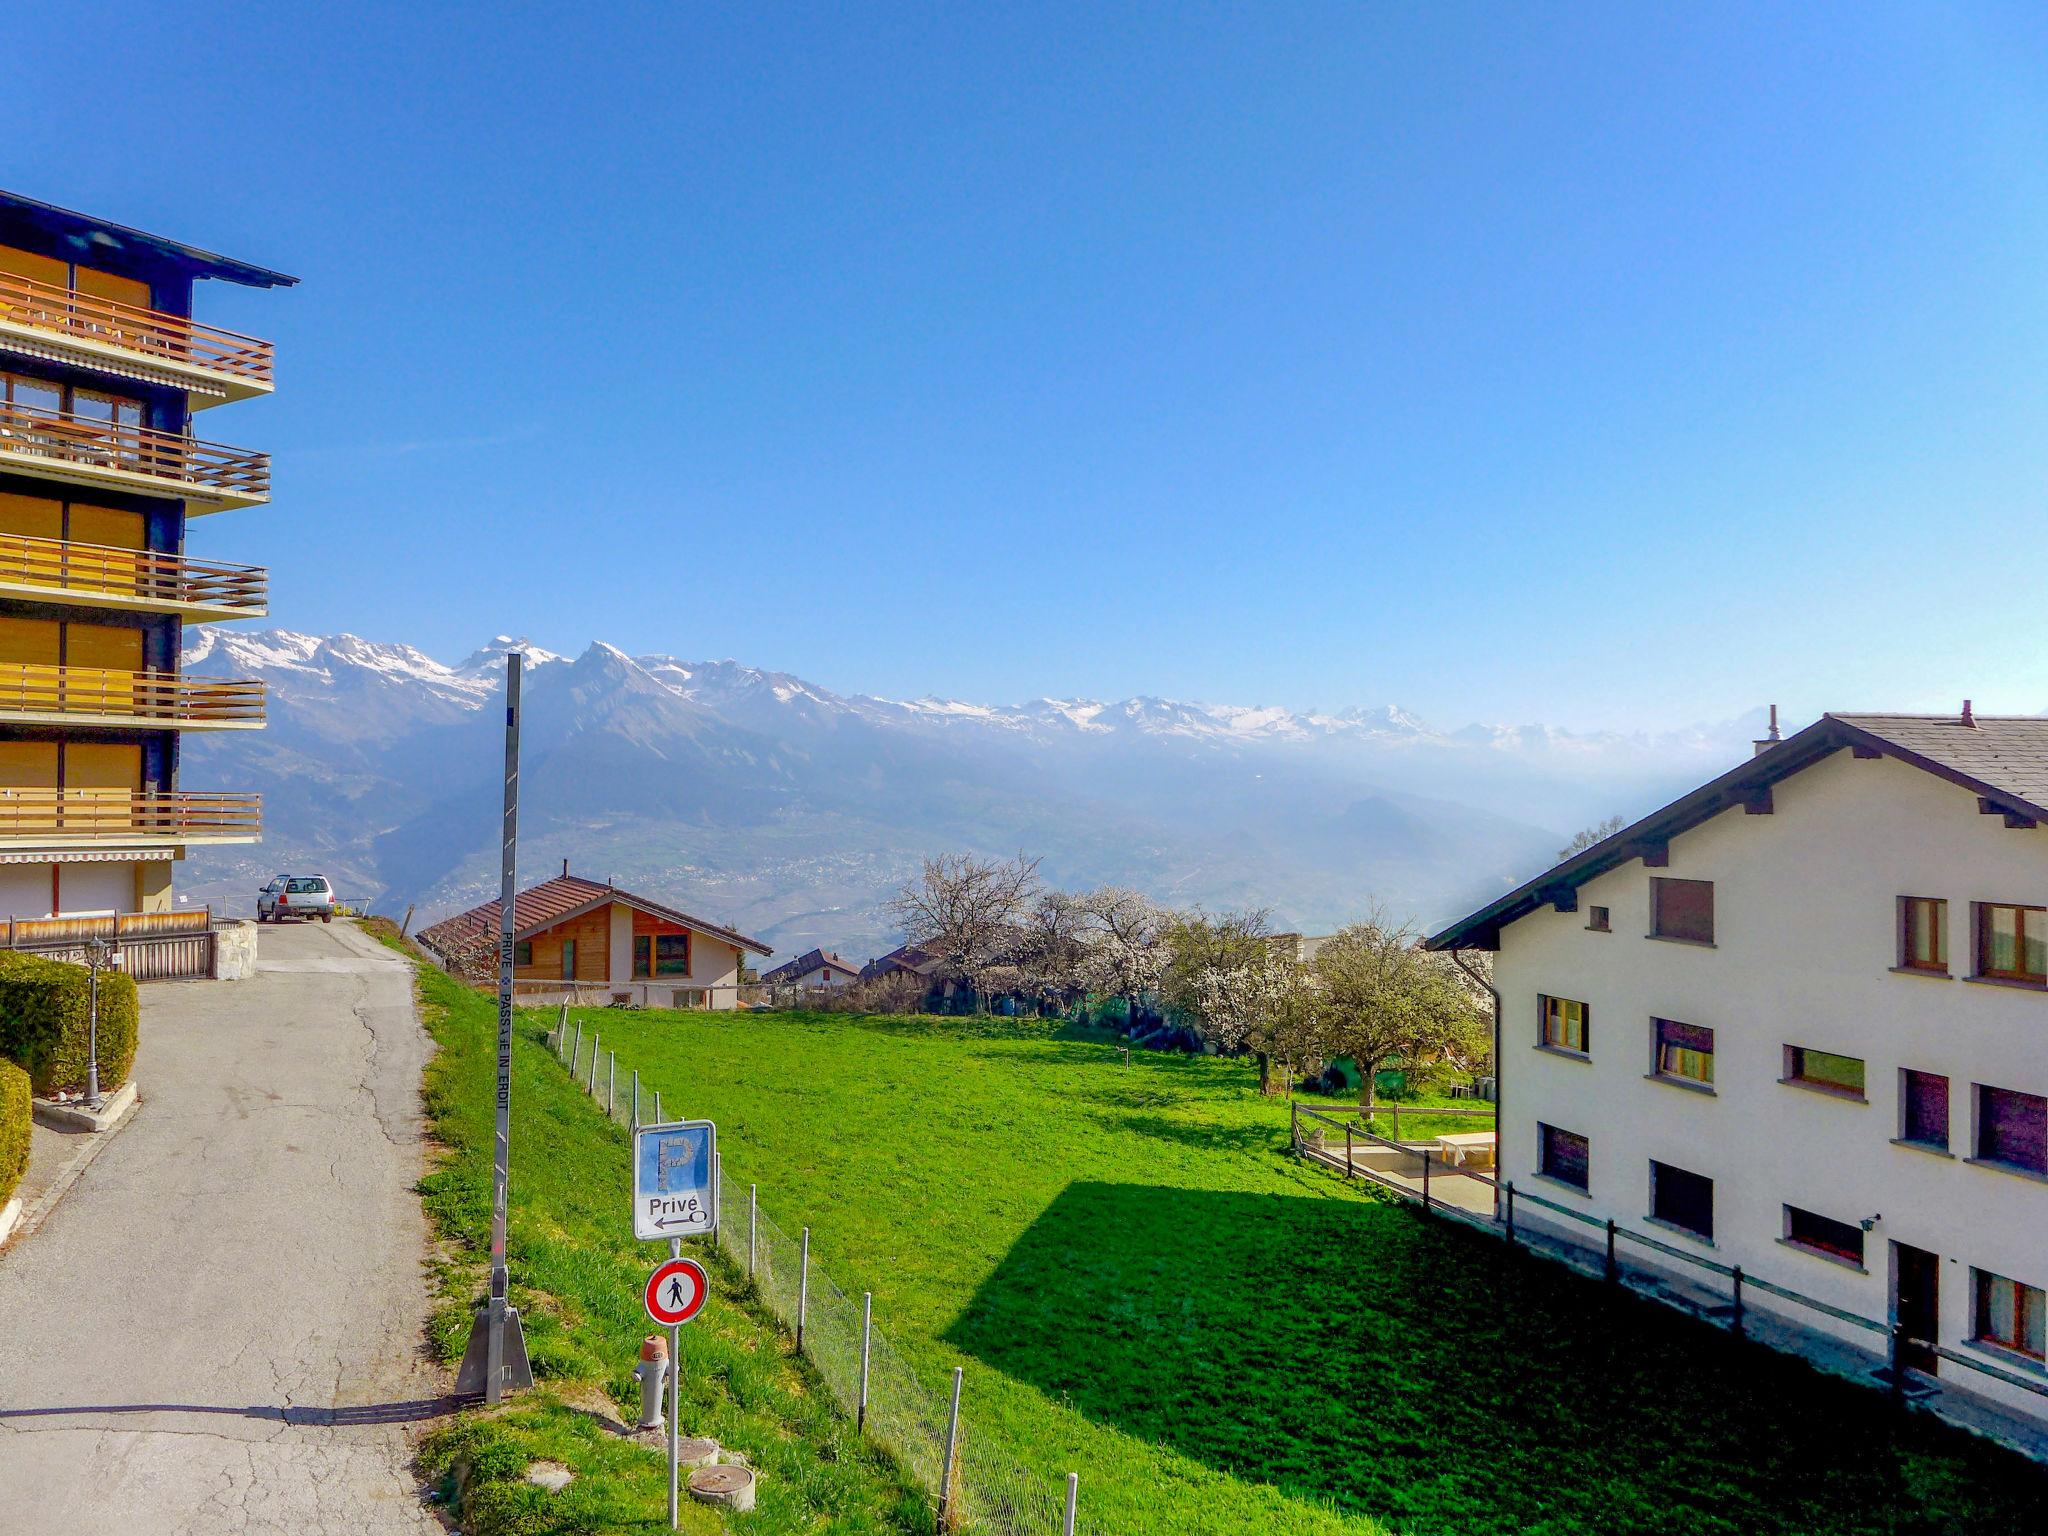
652, 1371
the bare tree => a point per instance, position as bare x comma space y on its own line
1599, 832
1123, 945
966, 912
1380, 998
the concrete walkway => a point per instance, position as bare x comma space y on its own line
219, 1328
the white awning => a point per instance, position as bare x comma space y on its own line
90, 856
57, 352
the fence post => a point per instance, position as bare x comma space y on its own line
1425, 1178
753, 1224
946, 1472
867, 1333
590, 1087
611, 1084
1511, 1210
1347, 1151
636, 1100
1735, 1319
1294, 1126
577, 1054
657, 1107
803, 1292
1397, 1122
562, 1020
1073, 1499
1613, 1273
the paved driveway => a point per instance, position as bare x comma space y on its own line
219, 1328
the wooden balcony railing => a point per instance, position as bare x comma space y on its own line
101, 815
131, 577
149, 333
31, 433
89, 693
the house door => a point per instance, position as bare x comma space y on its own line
1916, 1302
568, 959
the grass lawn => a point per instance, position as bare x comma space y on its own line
576, 1277
1146, 1290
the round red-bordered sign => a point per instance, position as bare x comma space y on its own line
676, 1292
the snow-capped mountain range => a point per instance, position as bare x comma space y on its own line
792, 811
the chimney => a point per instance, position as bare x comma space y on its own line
1969, 721
565, 869
1766, 743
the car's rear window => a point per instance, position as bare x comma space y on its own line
297, 887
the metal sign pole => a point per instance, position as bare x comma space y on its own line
675, 1406
499, 1357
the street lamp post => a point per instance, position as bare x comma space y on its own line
98, 953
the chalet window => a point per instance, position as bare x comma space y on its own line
1684, 1052
2012, 943
2012, 1128
1565, 1024
1923, 1109
1684, 1200
1923, 934
522, 951
661, 954
2011, 1315
1682, 909
1805, 1068
1823, 1234
1597, 919
1564, 1156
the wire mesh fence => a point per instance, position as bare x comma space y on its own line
979, 1488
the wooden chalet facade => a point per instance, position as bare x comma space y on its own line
578, 938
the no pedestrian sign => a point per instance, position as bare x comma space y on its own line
673, 1193
676, 1292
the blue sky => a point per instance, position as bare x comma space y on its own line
1597, 365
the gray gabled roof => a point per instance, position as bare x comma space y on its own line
2002, 759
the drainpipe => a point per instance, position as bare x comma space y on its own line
1500, 1125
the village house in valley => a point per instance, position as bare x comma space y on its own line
103, 373
818, 968
575, 937
1797, 1021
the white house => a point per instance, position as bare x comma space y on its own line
1798, 1021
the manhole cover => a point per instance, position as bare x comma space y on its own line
731, 1487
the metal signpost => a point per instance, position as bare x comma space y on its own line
675, 1195
496, 1357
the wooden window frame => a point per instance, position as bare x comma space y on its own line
1981, 1328
1544, 1002
1983, 936
522, 953
1667, 1059
1908, 961
1599, 920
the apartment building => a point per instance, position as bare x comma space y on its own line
1798, 1021
103, 372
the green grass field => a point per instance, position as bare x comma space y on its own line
1146, 1290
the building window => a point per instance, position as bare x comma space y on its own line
1564, 1156
1597, 919
2012, 943
1824, 1070
1923, 1109
1684, 1052
1682, 1199
660, 954
1923, 934
2012, 1128
1823, 1234
522, 951
1566, 1025
2011, 1315
1682, 909
568, 959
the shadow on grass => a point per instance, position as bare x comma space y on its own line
1362, 1354
1204, 1134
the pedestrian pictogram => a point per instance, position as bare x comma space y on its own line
676, 1291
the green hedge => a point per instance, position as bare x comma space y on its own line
44, 1010
14, 1125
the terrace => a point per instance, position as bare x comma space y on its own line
86, 331
100, 576
35, 694
40, 818
79, 450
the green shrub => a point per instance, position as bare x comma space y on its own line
45, 1009
14, 1125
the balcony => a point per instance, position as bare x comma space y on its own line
78, 450
34, 694
88, 332
136, 580
66, 818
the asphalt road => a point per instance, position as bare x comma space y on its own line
219, 1328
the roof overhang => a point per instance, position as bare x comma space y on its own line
97, 242
1747, 785
652, 909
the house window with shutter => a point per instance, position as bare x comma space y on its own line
1682, 909
1684, 1052
1923, 1109
2012, 1129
